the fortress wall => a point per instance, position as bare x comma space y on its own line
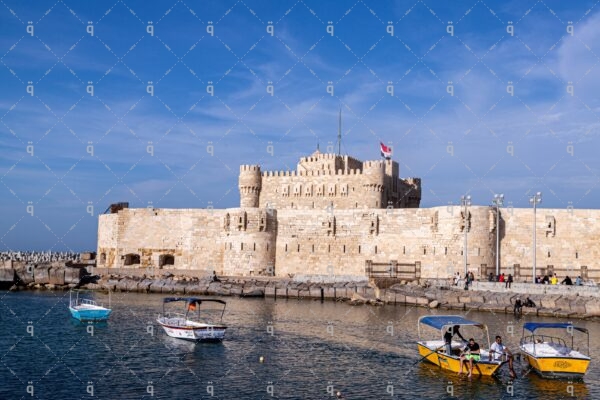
190, 235
572, 237
431, 237
343, 240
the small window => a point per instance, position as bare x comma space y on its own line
445, 251
286, 248
403, 249
313, 248
359, 249
254, 246
576, 254
344, 249
424, 251
375, 249
267, 246
242, 246
298, 248
329, 248
548, 254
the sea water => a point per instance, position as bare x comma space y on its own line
274, 349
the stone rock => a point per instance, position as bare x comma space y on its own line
7, 275
56, 276
74, 275
434, 304
24, 274
357, 299
41, 275
592, 307
253, 292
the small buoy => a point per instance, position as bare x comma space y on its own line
261, 359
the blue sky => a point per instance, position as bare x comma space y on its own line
456, 142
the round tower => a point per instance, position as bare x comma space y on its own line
250, 184
374, 183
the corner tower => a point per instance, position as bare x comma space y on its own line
250, 183
374, 183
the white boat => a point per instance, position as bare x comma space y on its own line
189, 325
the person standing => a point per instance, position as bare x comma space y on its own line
501, 278
509, 281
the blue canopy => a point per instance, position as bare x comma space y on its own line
532, 326
441, 321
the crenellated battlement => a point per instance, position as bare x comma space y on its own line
322, 179
249, 168
374, 164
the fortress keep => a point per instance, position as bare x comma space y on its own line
336, 215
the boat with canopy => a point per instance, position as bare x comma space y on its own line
436, 350
553, 356
189, 325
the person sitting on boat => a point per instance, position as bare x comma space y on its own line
470, 353
529, 303
497, 350
448, 338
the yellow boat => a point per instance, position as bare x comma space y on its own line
434, 351
550, 356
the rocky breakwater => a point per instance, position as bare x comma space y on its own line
569, 305
55, 275
171, 284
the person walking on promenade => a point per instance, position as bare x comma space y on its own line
509, 281
471, 278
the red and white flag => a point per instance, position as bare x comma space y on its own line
385, 150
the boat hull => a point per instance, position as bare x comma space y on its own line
90, 315
452, 363
558, 367
207, 333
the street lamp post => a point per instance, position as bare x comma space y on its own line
498, 202
534, 200
465, 202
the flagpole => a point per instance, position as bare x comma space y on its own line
340, 133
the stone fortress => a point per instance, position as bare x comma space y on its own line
338, 216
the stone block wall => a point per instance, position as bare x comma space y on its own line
252, 241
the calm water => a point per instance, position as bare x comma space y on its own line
309, 349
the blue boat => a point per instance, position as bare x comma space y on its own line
87, 310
